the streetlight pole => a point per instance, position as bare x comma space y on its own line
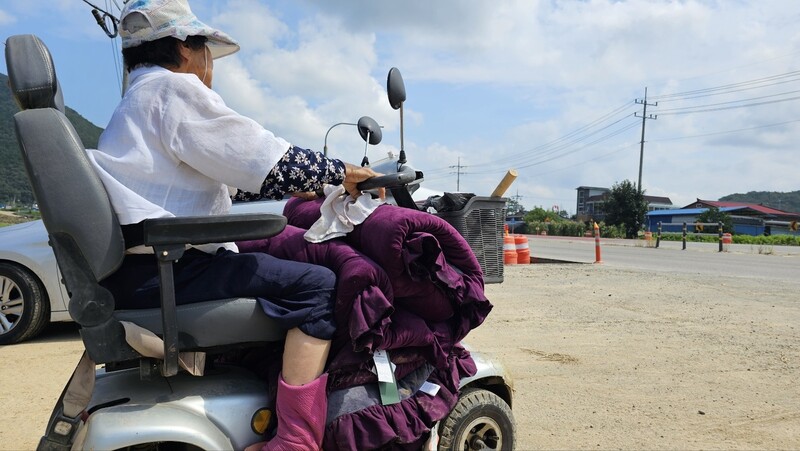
325, 147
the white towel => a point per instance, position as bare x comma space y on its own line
340, 213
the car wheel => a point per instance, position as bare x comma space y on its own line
24, 307
481, 420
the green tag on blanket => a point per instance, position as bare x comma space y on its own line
389, 393
386, 381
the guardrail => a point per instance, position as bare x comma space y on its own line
698, 227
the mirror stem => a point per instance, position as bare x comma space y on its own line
365, 160
402, 158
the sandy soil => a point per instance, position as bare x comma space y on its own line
601, 358
604, 358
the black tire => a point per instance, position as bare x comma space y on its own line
24, 306
481, 420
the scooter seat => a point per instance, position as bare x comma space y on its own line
234, 321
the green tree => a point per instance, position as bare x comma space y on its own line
714, 215
514, 207
625, 207
539, 214
14, 185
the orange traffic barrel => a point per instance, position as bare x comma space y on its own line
648, 239
523, 251
509, 250
727, 239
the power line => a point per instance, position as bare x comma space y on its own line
734, 101
564, 149
724, 132
568, 152
710, 108
731, 91
565, 141
731, 87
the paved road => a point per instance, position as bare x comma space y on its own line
770, 262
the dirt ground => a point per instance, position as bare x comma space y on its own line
602, 358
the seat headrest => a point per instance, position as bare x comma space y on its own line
31, 73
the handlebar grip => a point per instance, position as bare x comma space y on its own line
388, 180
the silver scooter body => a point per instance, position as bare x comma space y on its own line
214, 411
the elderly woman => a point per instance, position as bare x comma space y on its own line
173, 148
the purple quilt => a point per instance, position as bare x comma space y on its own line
407, 282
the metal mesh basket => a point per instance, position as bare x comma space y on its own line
480, 222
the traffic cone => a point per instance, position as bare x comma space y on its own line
509, 250
597, 258
523, 251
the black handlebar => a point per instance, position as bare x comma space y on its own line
388, 180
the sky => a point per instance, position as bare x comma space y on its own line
552, 89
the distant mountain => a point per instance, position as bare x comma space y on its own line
13, 181
782, 201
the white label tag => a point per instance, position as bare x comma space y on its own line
430, 388
383, 366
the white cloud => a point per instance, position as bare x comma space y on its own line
298, 81
253, 24
6, 18
507, 84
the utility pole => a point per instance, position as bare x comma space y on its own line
644, 117
517, 197
517, 203
458, 172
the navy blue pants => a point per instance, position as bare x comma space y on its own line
294, 294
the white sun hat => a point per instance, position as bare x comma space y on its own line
148, 20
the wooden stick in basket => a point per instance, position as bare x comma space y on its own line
509, 178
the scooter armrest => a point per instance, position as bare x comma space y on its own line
211, 229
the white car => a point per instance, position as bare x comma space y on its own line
32, 294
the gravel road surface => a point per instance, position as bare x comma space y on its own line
602, 356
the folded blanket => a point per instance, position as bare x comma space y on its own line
431, 266
366, 317
433, 296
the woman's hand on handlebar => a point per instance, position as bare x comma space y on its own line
354, 174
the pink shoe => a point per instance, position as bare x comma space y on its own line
301, 414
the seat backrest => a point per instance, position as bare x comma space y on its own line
82, 227
83, 230
32, 74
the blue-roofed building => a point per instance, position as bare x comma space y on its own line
748, 219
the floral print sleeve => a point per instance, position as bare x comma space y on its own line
299, 170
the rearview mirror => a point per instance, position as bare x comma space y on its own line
395, 88
369, 130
